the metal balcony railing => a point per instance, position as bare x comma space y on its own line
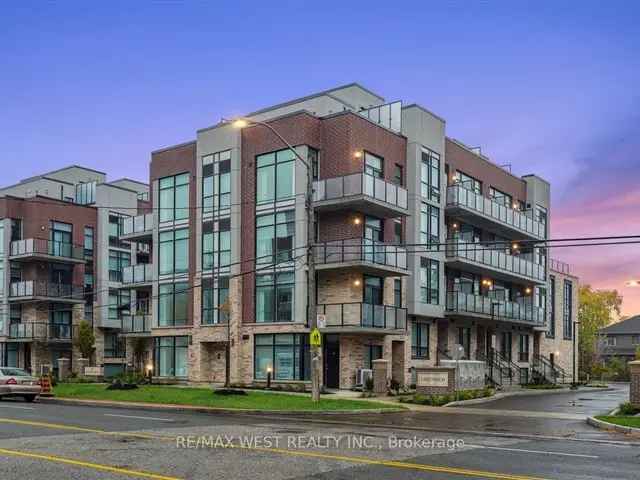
495, 259
364, 315
116, 350
41, 246
141, 273
41, 288
459, 196
360, 250
136, 323
360, 184
42, 331
137, 225
499, 310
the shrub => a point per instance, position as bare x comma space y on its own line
628, 409
86, 339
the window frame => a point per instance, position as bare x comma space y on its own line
430, 167
300, 353
276, 164
176, 289
173, 209
419, 347
275, 285
426, 281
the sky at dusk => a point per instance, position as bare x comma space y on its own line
552, 88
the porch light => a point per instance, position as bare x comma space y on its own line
454, 225
527, 290
356, 221
149, 367
515, 206
357, 154
239, 123
356, 282
557, 353
515, 246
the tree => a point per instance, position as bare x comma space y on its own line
85, 341
597, 309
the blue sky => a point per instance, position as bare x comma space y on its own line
549, 87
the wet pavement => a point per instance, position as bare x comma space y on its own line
587, 402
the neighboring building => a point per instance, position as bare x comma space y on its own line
621, 339
421, 244
61, 261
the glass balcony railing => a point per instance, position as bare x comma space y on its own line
138, 225
39, 246
338, 188
459, 196
136, 323
38, 288
141, 273
360, 250
364, 315
497, 260
500, 310
42, 331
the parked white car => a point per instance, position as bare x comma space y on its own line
15, 382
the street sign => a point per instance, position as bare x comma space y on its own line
321, 320
315, 338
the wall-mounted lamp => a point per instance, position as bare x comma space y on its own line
357, 154
356, 282
356, 220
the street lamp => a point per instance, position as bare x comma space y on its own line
311, 271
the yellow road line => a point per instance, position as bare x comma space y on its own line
300, 453
90, 465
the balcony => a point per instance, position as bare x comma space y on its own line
363, 317
361, 192
116, 350
47, 291
138, 228
136, 325
45, 250
478, 258
486, 213
41, 332
480, 306
137, 276
365, 255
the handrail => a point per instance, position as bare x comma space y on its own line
42, 246
476, 252
366, 315
459, 195
360, 184
360, 249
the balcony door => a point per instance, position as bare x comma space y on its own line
60, 239
373, 236
372, 307
60, 324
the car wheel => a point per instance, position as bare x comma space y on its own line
29, 398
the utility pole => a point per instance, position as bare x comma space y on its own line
316, 351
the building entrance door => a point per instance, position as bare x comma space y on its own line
332, 361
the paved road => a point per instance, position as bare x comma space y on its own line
73, 442
583, 402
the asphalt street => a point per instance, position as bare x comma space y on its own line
78, 442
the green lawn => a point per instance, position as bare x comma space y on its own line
621, 420
205, 398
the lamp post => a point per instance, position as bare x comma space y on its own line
269, 370
311, 271
574, 379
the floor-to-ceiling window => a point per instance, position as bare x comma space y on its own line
171, 356
567, 310
430, 175
287, 355
216, 181
173, 301
173, 252
274, 297
373, 165
420, 340
174, 198
275, 233
275, 174
551, 330
429, 225
429, 281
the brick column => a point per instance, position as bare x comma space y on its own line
380, 376
634, 391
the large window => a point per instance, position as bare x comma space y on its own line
429, 281
174, 197
85, 193
116, 221
275, 237
397, 292
119, 303
274, 297
173, 301
501, 197
287, 355
216, 243
275, 173
88, 242
171, 356
430, 175
523, 350
216, 181
174, 251
212, 299
61, 237
420, 340
468, 182
429, 225
117, 261
567, 310
373, 165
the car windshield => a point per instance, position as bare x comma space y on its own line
14, 372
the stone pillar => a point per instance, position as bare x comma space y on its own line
380, 376
63, 368
634, 390
80, 364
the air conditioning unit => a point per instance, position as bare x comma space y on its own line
361, 376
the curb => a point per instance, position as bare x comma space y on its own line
209, 410
602, 425
521, 393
